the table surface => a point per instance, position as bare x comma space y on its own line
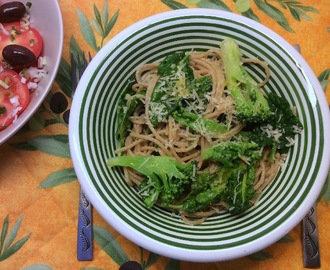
39, 193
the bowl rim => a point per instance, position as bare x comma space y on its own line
11, 130
151, 244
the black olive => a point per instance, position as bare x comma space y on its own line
18, 55
12, 11
58, 103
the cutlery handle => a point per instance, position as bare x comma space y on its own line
85, 230
310, 240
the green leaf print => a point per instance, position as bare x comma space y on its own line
274, 13
325, 193
250, 14
153, 257
192, 2
173, 265
109, 244
324, 78
260, 256
216, 4
63, 77
242, 5
58, 178
37, 267
7, 245
101, 24
286, 239
297, 10
24, 146
173, 4
86, 30
56, 145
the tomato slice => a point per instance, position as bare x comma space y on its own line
14, 33
14, 97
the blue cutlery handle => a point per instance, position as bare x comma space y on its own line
85, 229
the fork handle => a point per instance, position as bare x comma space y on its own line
85, 230
310, 240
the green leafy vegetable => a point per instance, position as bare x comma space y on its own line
124, 111
251, 105
174, 72
229, 153
166, 179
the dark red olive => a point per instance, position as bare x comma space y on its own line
12, 11
17, 55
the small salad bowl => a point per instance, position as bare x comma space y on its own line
46, 17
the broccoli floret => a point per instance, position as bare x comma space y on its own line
230, 153
239, 190
149, 189
284, 121
166, 179
233, 185
199, 124
251, 104
278, 132
206, 190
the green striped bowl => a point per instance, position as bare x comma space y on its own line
222, 237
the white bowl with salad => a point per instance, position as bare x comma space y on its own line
200, 135
31, 48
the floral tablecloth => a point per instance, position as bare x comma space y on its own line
38, 188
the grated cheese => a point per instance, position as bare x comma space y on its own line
272, 133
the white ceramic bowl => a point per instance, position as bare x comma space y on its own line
222, 237
47, 18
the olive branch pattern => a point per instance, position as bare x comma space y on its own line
249, 8
55, 110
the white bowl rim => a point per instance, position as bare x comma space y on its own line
150, 244
7, 133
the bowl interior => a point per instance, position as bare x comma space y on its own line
222, 237
47, 19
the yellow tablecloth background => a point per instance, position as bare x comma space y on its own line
50, 215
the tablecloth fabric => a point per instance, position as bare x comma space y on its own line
46, 217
